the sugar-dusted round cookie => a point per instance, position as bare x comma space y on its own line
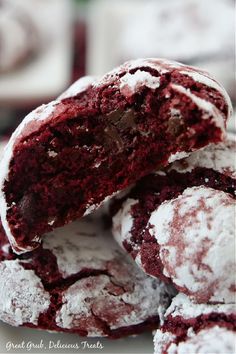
78, 281
179, 224
101, 136
196, 328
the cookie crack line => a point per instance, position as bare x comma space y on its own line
65, 283
102, 323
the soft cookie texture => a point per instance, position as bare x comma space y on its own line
101, 136
79, 281
179, 224
196, 328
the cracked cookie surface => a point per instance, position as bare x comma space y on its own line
79, 281
196, 328
179, 224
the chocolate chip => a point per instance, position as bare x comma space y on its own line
28, 207
112, 137
122, 119
175, 126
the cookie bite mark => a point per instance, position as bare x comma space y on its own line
113, 130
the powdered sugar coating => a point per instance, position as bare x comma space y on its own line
78, 87
195, 233
195, 236
22, 296
93, 279
131, 83
114, 299
162, 340
215, 340
200, 339
210, 111
204, 78
122, 222
199, 233
76, 246
183, 306
220, 158
162, 66
177, 156
122, 296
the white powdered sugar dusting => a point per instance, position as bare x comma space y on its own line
131, 83
122, 222
210, 110
211, 339
22, 296
78, 87
220, 157
204, 78
196, 236
108, 287
120, 300
160, 65
6, 248
99, 206
77, 303
178, 156
183, 306
217, 340
120, 296
76, 247
162, 340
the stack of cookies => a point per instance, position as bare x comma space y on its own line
149, 137
178, 224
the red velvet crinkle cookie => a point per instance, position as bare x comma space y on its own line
196, 328
68, 156
78, 281
179, 224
